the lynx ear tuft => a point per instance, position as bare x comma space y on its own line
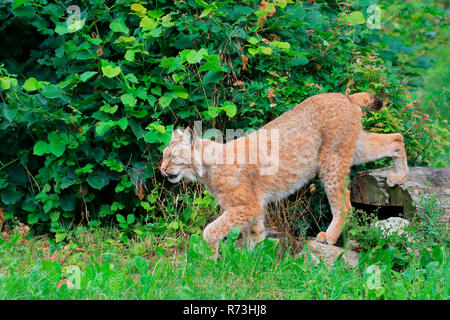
189, 136
175, 125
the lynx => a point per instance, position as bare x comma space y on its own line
322, 135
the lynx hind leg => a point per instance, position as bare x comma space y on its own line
254, 231
374, 146
333, 172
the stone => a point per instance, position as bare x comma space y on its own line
328, 253
392, 225
423, 184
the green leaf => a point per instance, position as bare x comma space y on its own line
165, 100
102, 127
148, 24
48, 205
156, 13
57, 149
120, 218
253, 40
177, 77
41, 148
213, 64
281, 45
138, 8
266, 50
123, 123
129, 55
158, 127
10, 196
166, 21
61, 29
194, 56
356, 17
118, 25
98, 180
85, 55
86, 169
152, 137
7, 83
104, 210
76, 25
33, 218
230, 109
125, 39
109, 109
60, 236
297, 61
24, 11
128, 100
213, 112
56, 145
180, 92
52, 92
145, 205
212, 76
185, 114
173, 63
157, 91
253, 51
85, 76
132, 78
54, 215
131, 219
31, 84
167, 62
111, 71
206, 12
117, 206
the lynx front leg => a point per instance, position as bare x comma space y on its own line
374, 146
232, 217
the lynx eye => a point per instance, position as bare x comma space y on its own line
176, 159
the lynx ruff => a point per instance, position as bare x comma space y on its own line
322, 135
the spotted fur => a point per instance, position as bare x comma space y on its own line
322, 135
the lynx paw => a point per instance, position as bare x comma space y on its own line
395, 179
322, 237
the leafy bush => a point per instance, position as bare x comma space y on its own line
88, 98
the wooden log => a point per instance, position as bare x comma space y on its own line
370, 188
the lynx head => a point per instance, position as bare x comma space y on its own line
177, 160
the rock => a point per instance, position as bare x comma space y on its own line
329, 253
269, 233
392, 225
422, 184
353, 245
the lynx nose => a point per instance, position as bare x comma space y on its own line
163, 172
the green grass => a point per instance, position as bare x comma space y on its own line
112, 263
106, 268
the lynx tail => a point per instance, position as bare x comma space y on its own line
366, 100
